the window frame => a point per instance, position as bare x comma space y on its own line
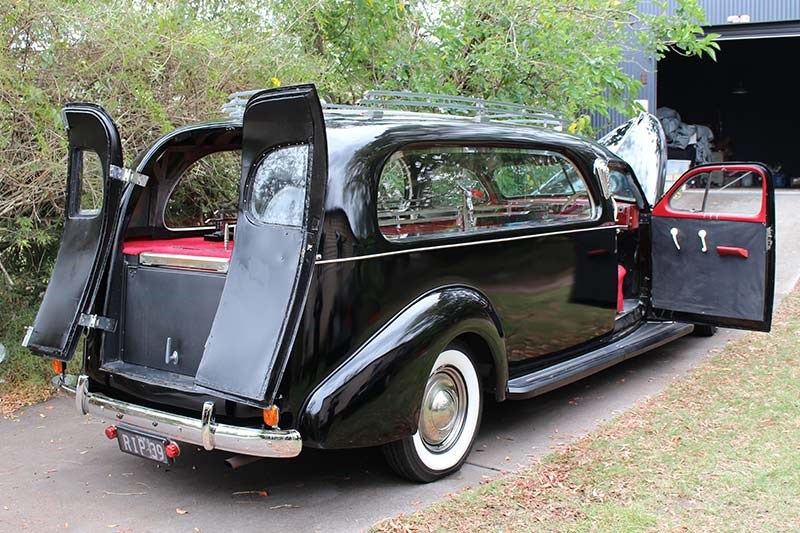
596, 203
180, 179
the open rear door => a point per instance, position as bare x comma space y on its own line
95, 183
284, 172
713, 247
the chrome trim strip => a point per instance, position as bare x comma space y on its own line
199, 431
194, 262
463, 244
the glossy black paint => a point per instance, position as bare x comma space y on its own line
86, 238
374, 396
369, 329
625, 345
549, 282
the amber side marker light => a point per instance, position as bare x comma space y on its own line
271, 416
58, 366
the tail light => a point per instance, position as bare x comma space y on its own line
111, 432
172, 450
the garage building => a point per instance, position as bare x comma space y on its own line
745, 98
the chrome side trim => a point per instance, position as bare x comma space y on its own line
199, 431
193, 262
463, 244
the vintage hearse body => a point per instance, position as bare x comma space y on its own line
389, 272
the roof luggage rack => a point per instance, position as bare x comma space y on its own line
380, 104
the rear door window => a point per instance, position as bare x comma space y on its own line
278, 190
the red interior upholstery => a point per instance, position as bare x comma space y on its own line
196, 246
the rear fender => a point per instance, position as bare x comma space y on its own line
374, 397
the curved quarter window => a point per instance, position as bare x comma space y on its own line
278, 189
458, 189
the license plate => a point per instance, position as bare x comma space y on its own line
143, 445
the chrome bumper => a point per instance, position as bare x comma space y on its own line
202, 431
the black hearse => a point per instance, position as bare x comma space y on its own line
375, 274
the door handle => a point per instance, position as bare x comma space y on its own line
734, 251
702, 234
674, 233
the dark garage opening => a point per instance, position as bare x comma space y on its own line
748, 98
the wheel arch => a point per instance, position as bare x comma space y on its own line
374, 396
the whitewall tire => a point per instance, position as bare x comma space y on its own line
448, 422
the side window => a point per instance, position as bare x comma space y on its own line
735, 193
394, 189
209, 185
89, 185
278, 190
430, 191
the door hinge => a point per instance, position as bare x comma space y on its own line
127, 175
98, 322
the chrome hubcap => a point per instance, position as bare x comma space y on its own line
444, 409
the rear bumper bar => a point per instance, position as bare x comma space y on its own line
203, 431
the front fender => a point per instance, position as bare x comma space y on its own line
374, 397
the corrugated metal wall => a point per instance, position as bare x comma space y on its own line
717, 12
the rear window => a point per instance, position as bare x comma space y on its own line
209, 186
277, 194
89, 181
450, 190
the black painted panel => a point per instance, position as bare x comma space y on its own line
161, 303
690, 281
84, 243
272, 265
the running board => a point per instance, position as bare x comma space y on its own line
646, 337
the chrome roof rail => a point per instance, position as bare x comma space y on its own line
380, 104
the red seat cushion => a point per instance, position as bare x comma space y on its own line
196, 246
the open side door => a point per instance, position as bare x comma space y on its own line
713, 247
95, 183
284, 174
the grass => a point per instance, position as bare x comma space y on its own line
718, 450
24, 379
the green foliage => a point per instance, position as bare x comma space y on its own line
157, 65
152, 65
558, 54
